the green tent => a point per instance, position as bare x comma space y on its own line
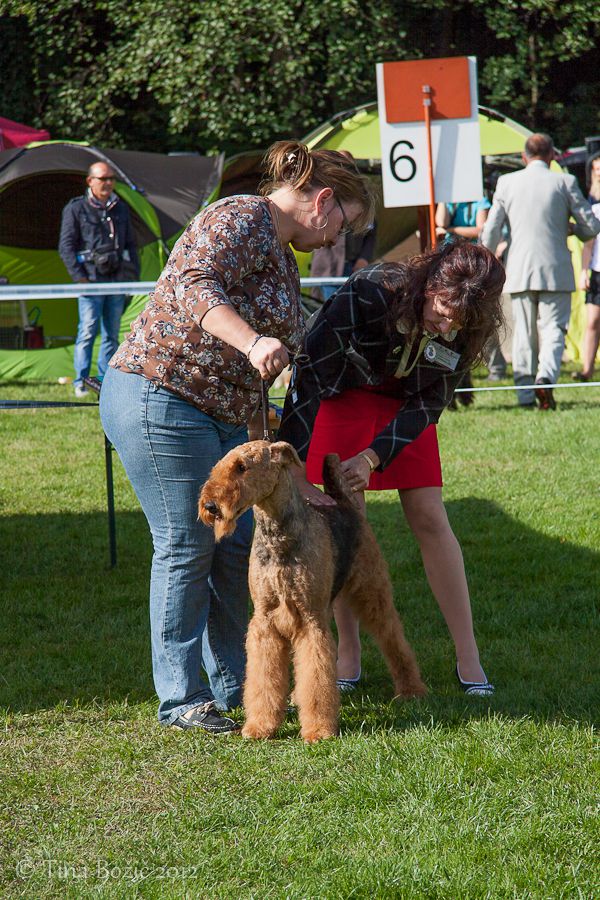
163, 193
357, 130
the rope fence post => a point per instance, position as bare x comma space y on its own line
110, 503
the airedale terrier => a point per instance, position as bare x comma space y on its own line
301, 557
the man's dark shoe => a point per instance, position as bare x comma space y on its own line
465, 397
206, 717
544, 395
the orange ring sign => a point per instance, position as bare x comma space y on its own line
429, 130
447, 78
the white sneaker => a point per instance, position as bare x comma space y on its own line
81, 391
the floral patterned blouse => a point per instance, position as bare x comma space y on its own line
229, 254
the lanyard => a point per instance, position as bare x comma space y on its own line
264, 402
402, 371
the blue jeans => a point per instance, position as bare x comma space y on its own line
198, 589
328, 290
105, 311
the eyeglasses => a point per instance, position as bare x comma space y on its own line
445, 313
346, 226
104, 177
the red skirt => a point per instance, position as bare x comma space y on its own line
349, 423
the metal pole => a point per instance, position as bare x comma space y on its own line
427, 113
110, 502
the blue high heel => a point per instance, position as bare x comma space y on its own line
347, 685
475, 688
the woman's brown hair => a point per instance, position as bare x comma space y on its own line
293, 164
463, 276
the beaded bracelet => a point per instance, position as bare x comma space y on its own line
252, 345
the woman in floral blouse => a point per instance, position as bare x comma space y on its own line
185, 385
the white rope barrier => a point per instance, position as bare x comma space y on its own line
69, 291
530, 387
90, 289
93, 288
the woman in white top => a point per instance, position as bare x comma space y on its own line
590, 283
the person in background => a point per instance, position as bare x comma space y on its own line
97, 243
537, 204
590, 283
185, 386
384, 356
349, 255
593, 167
466, 220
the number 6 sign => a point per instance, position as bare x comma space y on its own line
455, 144
402, 163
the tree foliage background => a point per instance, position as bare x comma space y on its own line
235, 75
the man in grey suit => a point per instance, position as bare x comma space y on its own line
537, 205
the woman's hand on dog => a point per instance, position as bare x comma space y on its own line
310, 493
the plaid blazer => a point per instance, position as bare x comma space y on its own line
354, 344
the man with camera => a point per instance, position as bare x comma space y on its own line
97, 244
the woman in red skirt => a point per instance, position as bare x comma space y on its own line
383, 358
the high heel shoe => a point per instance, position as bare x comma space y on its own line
475, 688
347, 685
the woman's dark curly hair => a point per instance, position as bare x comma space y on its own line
464, 276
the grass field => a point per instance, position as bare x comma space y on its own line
447, 797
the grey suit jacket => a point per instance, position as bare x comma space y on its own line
537, 204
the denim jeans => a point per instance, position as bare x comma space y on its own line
327, 290
105, 311
198, 589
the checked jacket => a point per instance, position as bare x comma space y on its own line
353, 343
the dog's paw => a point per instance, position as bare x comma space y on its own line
257, 732
314, 735
410, 691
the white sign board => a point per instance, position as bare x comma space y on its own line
456, 152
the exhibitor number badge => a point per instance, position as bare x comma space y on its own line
441, 356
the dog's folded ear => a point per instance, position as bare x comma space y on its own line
283, 453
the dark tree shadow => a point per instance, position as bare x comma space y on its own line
74, 630
535, 605
77, 632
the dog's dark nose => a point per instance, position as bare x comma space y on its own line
211, 507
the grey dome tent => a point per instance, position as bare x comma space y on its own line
163, 193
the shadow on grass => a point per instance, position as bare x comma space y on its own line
535, 607
75, 631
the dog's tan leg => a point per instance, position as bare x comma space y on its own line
267, 679
316, 692
372, 602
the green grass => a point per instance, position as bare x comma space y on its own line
445, 797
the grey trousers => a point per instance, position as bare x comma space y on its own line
539, 317
494, 358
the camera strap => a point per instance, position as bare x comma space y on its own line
112, 231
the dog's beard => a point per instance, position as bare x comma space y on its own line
221, 518
224, 527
